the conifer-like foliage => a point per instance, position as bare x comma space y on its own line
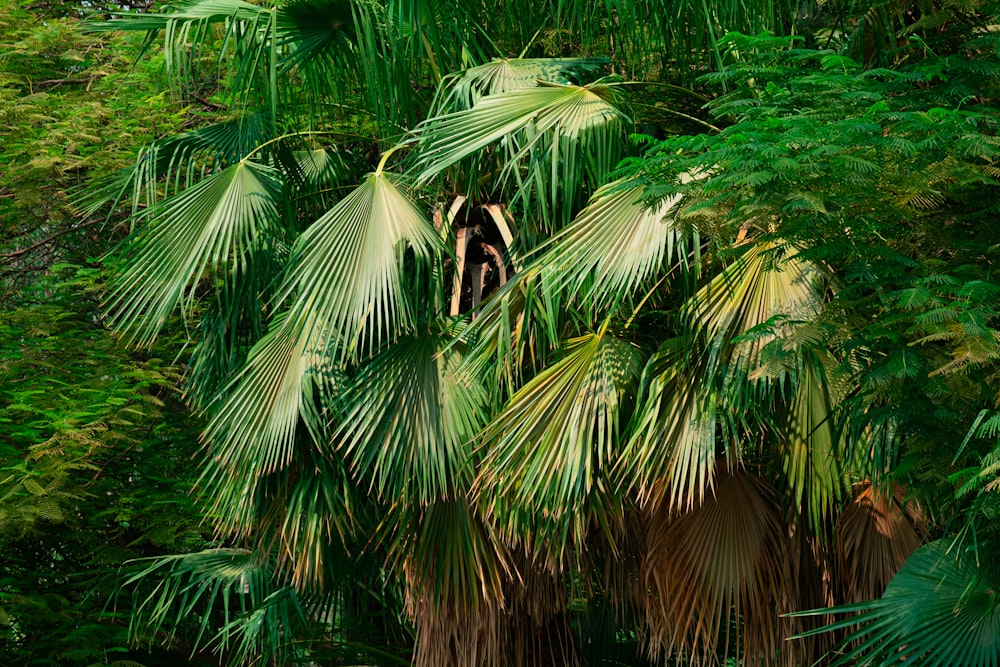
569, 333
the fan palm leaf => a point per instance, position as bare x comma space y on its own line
209, 226
675, 433
566, 136
346, 277
875, 534
941, 609
554, 442
246, 44
408, 418
811, 443
226, 596
464, 90
347, 290
717, 570
614, 245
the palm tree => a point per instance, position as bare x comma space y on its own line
442, 343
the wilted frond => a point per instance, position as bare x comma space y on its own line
456, 570
716, 574
876, 533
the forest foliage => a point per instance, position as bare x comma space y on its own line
546, 333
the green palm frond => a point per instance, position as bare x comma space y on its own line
170, 165
769, 280
408, 420
224, 598
241, 33
309, 31
555, 139
346, 279
614, 246
311, 515
207, 227
515, 332
677, 426
674, 430
348, 295
554, 442
254, 433
811, 442
464, 90
941, 609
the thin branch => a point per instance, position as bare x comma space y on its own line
49, 239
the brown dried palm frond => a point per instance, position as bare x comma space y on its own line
716, 574
814, 581
876, 533
538, 616
453, 633
456, 574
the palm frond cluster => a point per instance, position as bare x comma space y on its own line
462, 361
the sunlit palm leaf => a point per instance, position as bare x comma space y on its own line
716, 574
209, 226
567, 135
464, 90
941, 609
614, 245
346, 278
347, 290
169, 165
552, 445
408, 421
767, 281
254, 433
